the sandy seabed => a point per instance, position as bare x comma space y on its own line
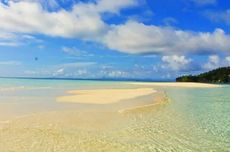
140, 128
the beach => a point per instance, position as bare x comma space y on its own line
177, 84
114, 76
107, 96
114, 116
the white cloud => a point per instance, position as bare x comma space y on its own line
83, 21
46, 4
8, 39
41, 46
214, 59
99, 6
219, 16
114, 73
60, 71
168, 21
28, 17
80, 73
228, 60
81, 70
114, 6
74, 51
175, 62
13, 44
13, 63
133, 37
213, 62
70, 70
76, 69
77, 65
11, 39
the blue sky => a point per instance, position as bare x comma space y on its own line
137, 39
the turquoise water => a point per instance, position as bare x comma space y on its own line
195, 119
24, 96
209, 112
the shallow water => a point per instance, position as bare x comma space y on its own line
192, 120
24, 96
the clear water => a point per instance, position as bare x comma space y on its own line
25, 96
193, 120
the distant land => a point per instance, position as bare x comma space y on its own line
220, 75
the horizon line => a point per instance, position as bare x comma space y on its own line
90, 79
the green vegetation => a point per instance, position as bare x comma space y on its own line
220, 75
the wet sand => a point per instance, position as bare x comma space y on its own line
104, 96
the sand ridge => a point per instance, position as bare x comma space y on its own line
104, 96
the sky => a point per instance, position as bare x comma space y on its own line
113, 39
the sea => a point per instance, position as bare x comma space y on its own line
192, 120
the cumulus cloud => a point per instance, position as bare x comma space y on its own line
114, 6
133, 37
46, 4
98, 6
228, 60
82, 21
175, 62
28, 17
213, 62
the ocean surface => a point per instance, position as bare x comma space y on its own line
193, 119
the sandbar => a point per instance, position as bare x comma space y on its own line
104, 96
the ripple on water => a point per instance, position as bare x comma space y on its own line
72, 131
171, 127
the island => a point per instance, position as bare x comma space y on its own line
219, 75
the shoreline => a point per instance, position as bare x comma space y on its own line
176, 84
125, 97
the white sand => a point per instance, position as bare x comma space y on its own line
176, 84
107, 96
104, 96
